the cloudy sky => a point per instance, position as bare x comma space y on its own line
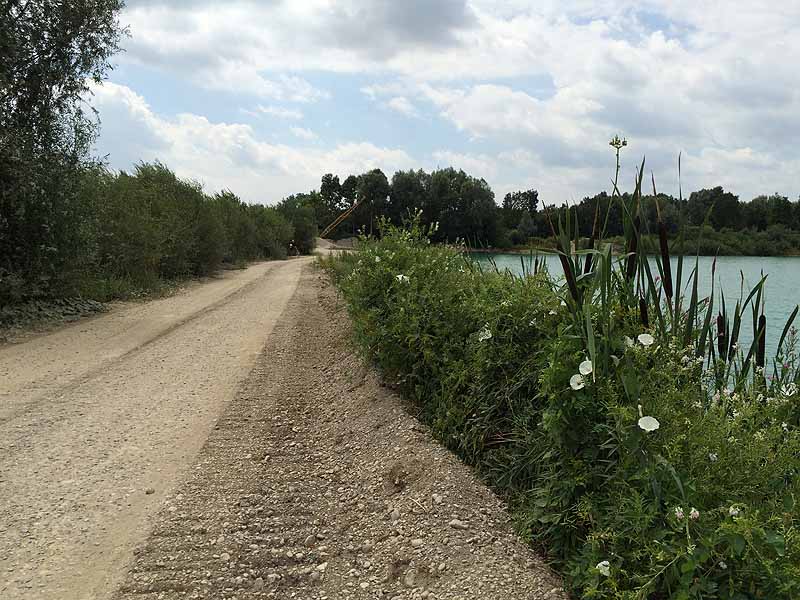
263, 97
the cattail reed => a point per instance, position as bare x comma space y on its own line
662, 242
633, 246
732, 344
722, 341
562, 257
588, 264
762, 340
643, 313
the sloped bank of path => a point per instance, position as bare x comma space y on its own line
301, 477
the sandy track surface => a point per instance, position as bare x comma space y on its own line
317, 484
100, 420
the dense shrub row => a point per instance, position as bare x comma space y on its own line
637, 477
129, 232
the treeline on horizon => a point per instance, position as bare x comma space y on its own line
713, 221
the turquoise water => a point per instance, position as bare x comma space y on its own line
782, 288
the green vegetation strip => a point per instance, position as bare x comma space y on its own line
640, 465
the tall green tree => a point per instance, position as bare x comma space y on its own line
373, 193
49, 51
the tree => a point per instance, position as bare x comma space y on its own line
49, 50
373, 192
723, 208
408, 194
297, 210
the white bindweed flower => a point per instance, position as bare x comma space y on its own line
604, 567
694, 514
377, 259
733, 511
576, 382
485, 333
628, 341
645, 339
585, 368
679, 513
648, 423
403, 278
713, 457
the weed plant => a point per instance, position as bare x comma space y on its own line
639, 447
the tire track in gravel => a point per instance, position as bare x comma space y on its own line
108, 414
316, 484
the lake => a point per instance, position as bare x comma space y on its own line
782, 288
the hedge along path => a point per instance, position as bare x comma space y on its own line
316, 483
100, 420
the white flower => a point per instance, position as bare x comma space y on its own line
722, 565
713, 457
485, 333
628, 341
377, 259
532, 322
685, 359
402, 278
733, 511
552, 312
649, 423
694, 514
790, 389
585, 368
785, 426
679, 513
576, 382
645, 339
604, 567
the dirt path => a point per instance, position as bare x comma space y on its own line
317, 484
100, 420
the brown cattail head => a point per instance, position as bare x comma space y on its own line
662, 240
643, 313
630, 269
722, 342
762, 341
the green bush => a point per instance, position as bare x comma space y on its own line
123, 235
704, 506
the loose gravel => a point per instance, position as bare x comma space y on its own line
316, 483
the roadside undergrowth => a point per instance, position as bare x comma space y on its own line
644, 454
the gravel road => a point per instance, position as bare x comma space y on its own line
229, 443
100, 420
317, 483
